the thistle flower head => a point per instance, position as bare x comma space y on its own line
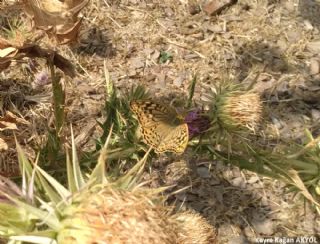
110, 215
94, 210
194, 228
232, 108
197, 122
238, 111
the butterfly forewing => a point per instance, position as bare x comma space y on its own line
148, 110
160, 126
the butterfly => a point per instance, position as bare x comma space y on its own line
161, 126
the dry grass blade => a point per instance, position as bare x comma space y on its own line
9, 187
99, 172
307, 147
9, 122
297, 182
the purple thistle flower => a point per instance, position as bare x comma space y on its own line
41, 79
197, 123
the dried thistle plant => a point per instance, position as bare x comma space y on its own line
94, 209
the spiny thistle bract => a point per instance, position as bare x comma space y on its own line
93, 209
191, 222
119, 116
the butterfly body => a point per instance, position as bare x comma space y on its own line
161, 126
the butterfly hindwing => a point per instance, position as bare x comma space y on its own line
178, 139
159, 126
150, 136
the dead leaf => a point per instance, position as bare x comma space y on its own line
6, 55
4, 125
4, 43
314, 66
57, 18
3, 145
7, 51
71, 34
216, 6
10, 121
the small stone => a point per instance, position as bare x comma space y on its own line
263, 226
169, 12
155, 56
137, 63
293, 35
181, 196
3, 145
161, 83
238, 182
289, 6
239, 240
314, 67
315, 114
253, 179
308, 25
150, 77
277, 123
313, 47
215, 28
194, 9
246, 7
178, 81
214, 182
203, 172
282, 45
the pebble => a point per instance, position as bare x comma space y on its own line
263, 226
308, 25
238, 240
314, 66
239, 182
203, 172
253, 179
315, 114
313, 47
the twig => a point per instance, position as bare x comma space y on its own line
183, 46
114, 21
